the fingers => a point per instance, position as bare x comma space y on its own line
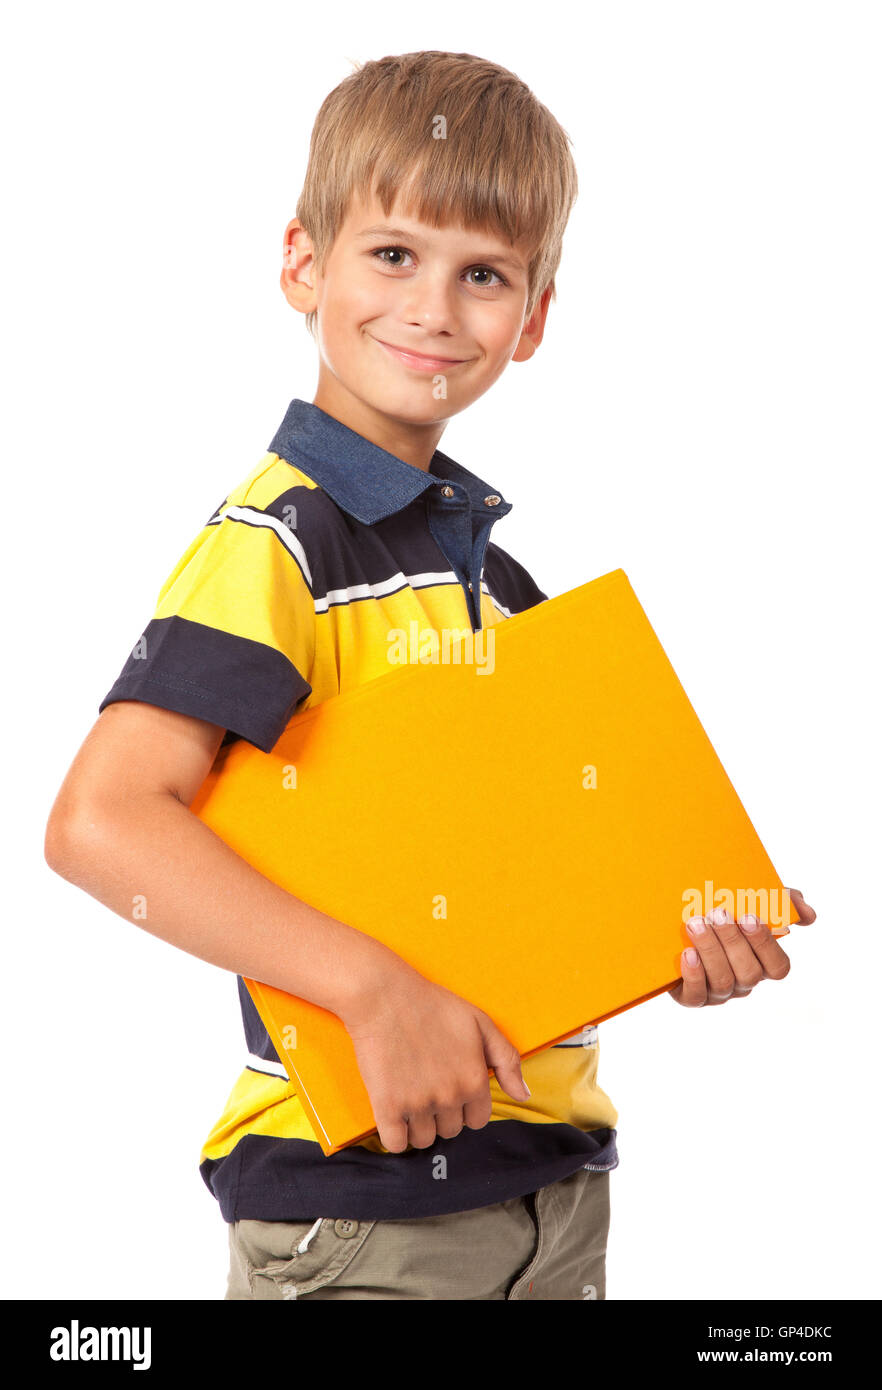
442, 1121
691, 990
449, 1121
422, 1129
806, 914
472, 1108
503, 1057
774, 961
727, 958
468, 1105
477, 1113
733, 957
393, 1134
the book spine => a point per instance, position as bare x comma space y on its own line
278, 1042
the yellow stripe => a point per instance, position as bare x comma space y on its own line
358, 636
563, 1085
271, 477
241, 579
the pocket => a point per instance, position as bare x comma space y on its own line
291, 1259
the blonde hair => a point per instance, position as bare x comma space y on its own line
504, 164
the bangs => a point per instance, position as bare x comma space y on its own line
452, 139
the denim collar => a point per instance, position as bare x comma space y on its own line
366, 481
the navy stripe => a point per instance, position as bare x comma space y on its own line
342, 552
242, 685
402, 542
505, 1159
509, 582
257, 1039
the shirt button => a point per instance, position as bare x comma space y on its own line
345, 1229
492, 500
447, 491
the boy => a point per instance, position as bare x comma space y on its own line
424, 252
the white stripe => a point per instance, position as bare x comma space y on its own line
385, 586
284, 533
268, 1068
586, 1038
355, 591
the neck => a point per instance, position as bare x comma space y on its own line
413, 443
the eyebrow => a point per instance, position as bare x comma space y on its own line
399, 234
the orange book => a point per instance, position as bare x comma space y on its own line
564, 735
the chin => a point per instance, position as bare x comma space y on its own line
415, 405
430, 414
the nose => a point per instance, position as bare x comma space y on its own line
429, 303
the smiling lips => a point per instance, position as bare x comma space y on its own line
419, 361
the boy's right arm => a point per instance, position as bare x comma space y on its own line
121, 829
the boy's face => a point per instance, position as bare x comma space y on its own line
416, 322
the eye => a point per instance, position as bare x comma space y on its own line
394, 258
485, 284
382, 251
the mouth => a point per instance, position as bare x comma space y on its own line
421, 361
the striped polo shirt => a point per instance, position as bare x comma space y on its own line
285, 598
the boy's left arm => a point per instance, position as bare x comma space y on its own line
731, 957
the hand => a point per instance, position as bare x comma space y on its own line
731, 957
424, 1053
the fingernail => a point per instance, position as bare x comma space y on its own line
691, 955
750, 923
696, 925
720, 917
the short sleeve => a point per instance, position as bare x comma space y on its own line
232, 638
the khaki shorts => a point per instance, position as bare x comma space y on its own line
550, 1244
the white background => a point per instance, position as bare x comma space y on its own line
704, 413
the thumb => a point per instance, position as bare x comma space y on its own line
807, 914
504, 1058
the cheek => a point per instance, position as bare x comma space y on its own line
345, 311
498, 320
500, 334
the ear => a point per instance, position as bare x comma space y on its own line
298, 268
533, 330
